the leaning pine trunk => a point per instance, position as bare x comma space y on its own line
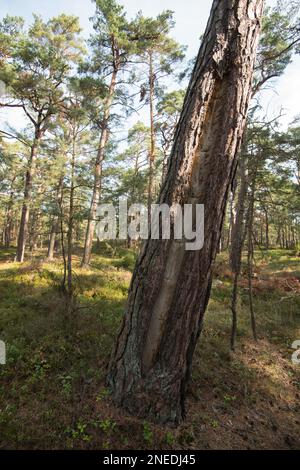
170, 288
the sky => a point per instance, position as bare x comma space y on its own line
190, 16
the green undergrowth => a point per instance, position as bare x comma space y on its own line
53, 392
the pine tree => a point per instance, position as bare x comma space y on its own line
170, 288
41, 62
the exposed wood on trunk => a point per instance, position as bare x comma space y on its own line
170, 288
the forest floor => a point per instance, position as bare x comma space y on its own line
52, 389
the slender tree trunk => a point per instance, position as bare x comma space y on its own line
27, 199
286, 237
278, 239
293, 238
164, 166
151, 362
267, 230
231, 219
250, 264
88, 245
250, 258
33, 230
71, 223
62, 238
55, 224
152, 135
234, 311
261, 232
237, 239
9, 220
281, 237
236, 246
51, 244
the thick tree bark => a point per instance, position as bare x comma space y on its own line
170, 288
88, 245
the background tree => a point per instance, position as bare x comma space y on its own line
279, 40
11, 181
10, 31
169, 107
160, 54
113, 45
41, 62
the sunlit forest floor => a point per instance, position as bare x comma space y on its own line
53, 393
